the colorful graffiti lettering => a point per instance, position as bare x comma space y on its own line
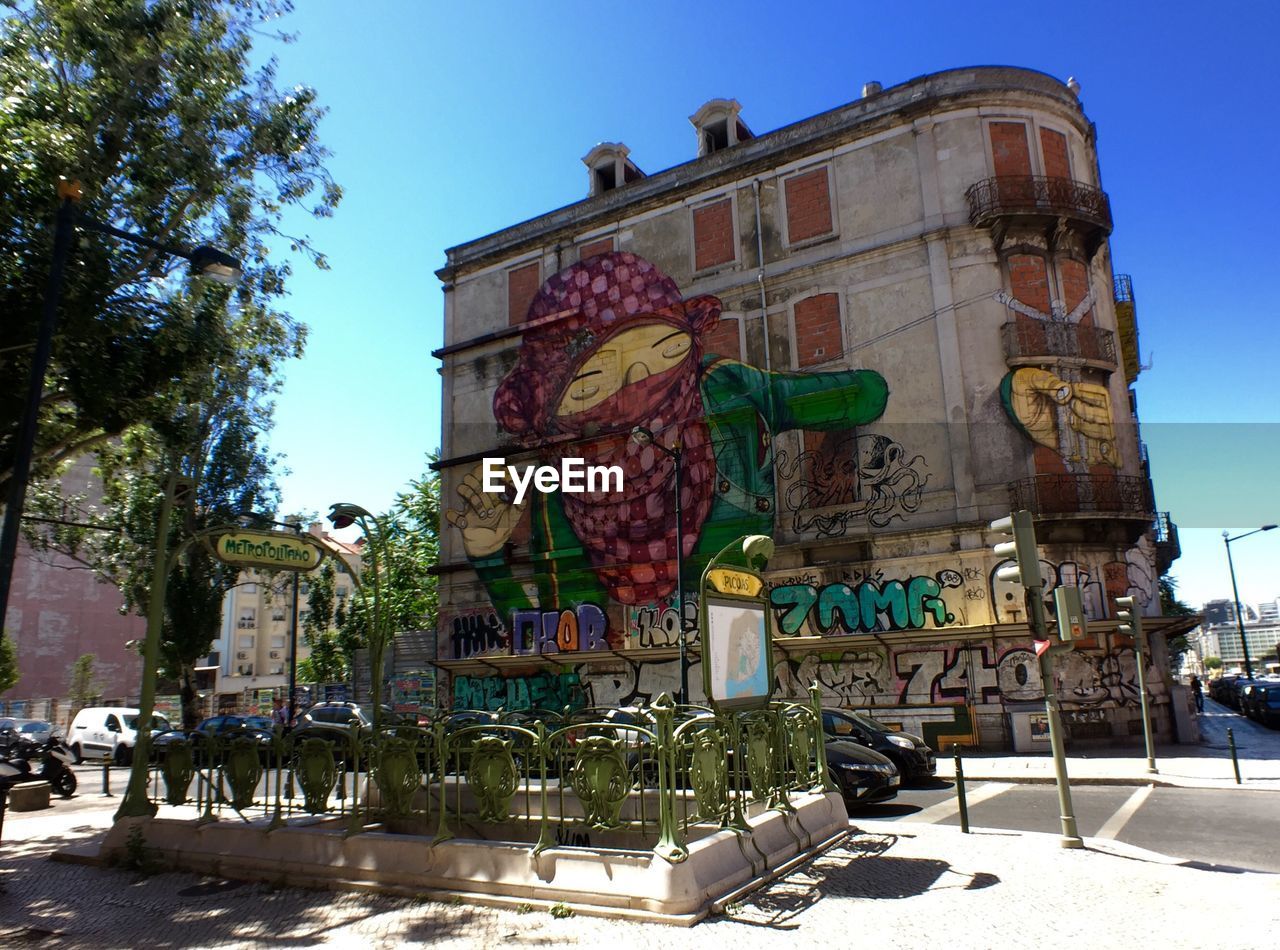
540, 690
660, 626
539, 632
475, 635
866, 606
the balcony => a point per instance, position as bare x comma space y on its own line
1043, 203
1168, 548
1028, 341
1126, 497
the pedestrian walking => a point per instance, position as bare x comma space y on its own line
279, 712
1198, 688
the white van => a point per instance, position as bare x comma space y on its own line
110, 730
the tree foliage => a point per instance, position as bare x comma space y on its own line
8, 663
154, 106
326, 662
82, 684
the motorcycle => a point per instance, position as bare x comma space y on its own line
55, 764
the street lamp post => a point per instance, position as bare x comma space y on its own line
642, 436
205, 261
1235, 592
343, 515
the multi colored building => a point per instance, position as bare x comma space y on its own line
867, 334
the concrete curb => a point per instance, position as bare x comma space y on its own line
1133, 781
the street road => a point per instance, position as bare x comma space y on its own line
1227, 828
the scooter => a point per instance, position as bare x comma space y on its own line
55, 764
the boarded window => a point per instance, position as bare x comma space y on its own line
522, 284
1053, 148
591, 249
808, 206
713, 241
1009, 150
818, 335
724, 340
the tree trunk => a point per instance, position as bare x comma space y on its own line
190, 714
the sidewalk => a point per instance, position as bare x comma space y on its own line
1205, 765
893, 886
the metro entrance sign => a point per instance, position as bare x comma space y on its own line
737, 639
270, 550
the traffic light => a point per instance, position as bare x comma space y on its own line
1069, 608
1026, 567
1130, 619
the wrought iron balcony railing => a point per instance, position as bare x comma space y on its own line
1168, 547
1027, 340
994, 198
1070, 494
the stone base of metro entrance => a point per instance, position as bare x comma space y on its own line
721, 865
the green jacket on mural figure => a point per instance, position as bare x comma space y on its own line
595, 365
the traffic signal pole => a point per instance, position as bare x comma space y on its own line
1023, 550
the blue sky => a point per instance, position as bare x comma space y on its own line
451, 120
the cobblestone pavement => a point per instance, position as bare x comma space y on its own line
923, 886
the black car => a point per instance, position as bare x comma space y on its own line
863, 776
911, 754
218, 727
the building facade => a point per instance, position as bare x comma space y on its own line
251, 656
867, 335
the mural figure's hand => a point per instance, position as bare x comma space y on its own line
1034, 398
486, 519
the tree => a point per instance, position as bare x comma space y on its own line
1213, 662
398, 562
154, 107
8, 664
326, 663
81, 686
1171, 606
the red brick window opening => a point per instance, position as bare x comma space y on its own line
1009, 151
1029, 281
724, 340
713, 241
522, 284
1075, 287
591, 249
819, 338
808, 206
1053, 149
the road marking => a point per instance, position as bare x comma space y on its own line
1126, 811
944, 810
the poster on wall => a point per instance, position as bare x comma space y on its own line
170, 707
1039, 727
413, 694
737, 653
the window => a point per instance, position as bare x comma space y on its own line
818, 334
246, 642
277, 642
248, 618
277, 615
522, 285
249, 588
808, 198
713, 234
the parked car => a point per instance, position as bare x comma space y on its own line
1268, 705
863, 776
911, 754
15, 731
220, 727
111, 730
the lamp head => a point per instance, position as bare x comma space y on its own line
344, 514
641, 436
215, 265
757, 548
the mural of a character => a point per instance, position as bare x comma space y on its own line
1072, 418
610, 344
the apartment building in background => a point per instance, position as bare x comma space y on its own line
867, 334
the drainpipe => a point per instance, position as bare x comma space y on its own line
764, 309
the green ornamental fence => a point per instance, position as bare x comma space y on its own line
643, 777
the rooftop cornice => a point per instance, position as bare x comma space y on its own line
892, 106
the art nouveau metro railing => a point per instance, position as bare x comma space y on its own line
643, 778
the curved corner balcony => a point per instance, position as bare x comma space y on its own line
1041, 201
1070, 495
1028, 341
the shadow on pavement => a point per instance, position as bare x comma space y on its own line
861, 868
886, 810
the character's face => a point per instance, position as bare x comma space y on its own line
630, 356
